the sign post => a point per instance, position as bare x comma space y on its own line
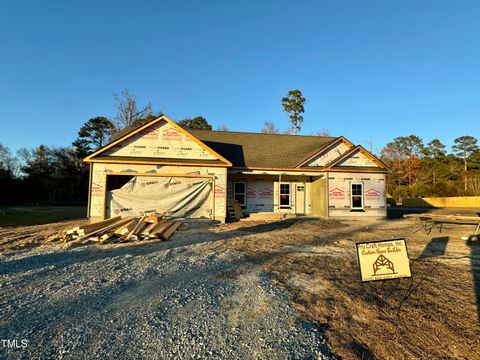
383, 260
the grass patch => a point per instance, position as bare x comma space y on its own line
12, 215
438, 321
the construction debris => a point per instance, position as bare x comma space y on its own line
119, 230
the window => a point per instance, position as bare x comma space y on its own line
239, 192
357, 196
284, 195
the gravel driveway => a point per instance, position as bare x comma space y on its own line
150, 301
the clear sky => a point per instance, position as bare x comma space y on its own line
370, 70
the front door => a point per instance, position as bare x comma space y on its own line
357, 196
300, 198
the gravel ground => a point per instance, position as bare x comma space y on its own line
147, 302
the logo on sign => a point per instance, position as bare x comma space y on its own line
266, 194
251, 193
337, 194
372, 194
97, 189
171, 134
171, 183
150, 134
147, 183
383, 259
219, 190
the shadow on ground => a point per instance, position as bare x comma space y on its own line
437, 248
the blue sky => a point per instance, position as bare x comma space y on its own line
370, 70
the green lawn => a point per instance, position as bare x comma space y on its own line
18, 215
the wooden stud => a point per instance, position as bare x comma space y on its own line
169, 232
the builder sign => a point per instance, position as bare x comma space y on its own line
383, 259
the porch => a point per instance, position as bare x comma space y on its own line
274, 195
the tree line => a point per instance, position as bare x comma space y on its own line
429, 170
58, 173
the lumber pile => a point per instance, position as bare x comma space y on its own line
120, 230
234, 211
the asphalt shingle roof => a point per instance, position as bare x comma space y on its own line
259, 150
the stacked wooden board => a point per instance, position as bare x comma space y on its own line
120, 230
234, 211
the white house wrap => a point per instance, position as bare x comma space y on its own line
172, 196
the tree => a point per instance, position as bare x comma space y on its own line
198, 123
270, 128
464, 147
403, 155
94, 134
434, 158
293, 104
323, 132
223, 127
8, 175
38, 166
53, 174
435, 149
412, 145
70, 174
7, 162
128, 112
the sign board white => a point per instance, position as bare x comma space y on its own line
383, 259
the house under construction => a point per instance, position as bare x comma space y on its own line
160, 167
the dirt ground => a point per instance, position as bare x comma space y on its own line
315, 261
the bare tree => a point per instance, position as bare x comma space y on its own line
370, 146
7, 161
223, 127
323, 132
270, 128
128, 111
290, 131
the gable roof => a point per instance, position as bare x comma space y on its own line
324, 148
352, 151
246, 149
258, 150
132, 130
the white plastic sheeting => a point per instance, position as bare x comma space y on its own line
173, 196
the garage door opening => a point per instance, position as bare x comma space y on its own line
173, 196
117, 181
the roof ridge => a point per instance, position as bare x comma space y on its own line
261, 133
